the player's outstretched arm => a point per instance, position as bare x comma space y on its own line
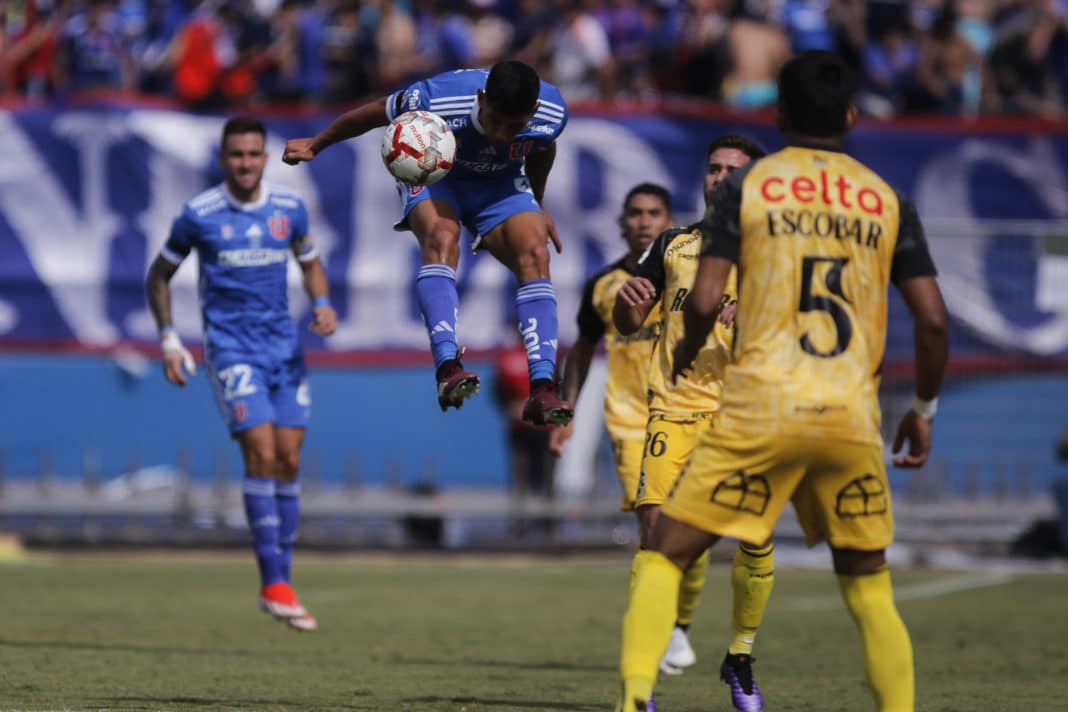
634, 300
324, 322
576, 368
175, 356
701, 310
931, 334
349, 125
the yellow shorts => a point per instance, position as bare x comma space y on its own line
668, 444
627, 453
737, 483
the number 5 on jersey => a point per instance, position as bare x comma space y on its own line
831, 305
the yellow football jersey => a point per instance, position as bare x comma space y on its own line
670, 264
625, 409
817, 238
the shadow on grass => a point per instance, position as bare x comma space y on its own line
154, 703
511, 664
120, 647
492, 703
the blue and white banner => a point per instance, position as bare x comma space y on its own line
87, 196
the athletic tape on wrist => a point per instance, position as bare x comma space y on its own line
925, 408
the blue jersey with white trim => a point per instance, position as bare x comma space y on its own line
453, 97
243, 250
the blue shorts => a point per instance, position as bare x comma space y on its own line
481, 205
250, 394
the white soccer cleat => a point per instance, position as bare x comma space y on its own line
679, 653
305, 623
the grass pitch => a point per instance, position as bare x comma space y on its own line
183, 633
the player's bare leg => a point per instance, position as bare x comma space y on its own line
865, 584
287, 496
437, 229
520, 243
260, 455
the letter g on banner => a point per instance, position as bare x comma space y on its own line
960, 241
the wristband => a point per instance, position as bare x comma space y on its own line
925, 408
164, 330
321, 301
168, 339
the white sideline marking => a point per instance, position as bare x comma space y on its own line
908, 592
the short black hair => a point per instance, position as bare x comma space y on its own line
512, 88
649, 189
243, 124
815, 92
736, 141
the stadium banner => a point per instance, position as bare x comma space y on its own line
87, 195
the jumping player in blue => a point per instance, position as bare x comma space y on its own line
506, 121
243, 232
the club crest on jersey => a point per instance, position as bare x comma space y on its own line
227, 231
279, 225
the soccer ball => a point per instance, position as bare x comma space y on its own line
419, 148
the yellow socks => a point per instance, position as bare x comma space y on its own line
633, 576
693, 581
887, 648
752, 578
647, 623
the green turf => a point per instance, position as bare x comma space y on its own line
184, 634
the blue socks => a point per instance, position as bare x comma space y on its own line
287, 499
262, 513
536, 306
438, 301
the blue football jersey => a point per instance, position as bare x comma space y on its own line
244, 250
453, 97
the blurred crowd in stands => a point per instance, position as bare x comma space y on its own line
955, 57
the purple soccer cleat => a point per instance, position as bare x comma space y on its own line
637, 705
737, 671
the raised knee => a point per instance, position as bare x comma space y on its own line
532, 261
442, 246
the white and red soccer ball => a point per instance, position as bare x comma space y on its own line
419, 148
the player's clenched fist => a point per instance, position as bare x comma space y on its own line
297, 150
636, 291
324, 321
